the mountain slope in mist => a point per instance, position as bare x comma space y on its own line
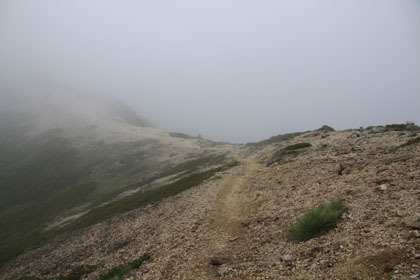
237, 226
65, 153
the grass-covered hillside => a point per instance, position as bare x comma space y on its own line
61, 171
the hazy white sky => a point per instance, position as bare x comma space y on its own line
231, 70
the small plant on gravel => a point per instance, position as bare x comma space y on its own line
318, 221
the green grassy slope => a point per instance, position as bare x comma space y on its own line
46, 178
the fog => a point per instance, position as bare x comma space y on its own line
235, 71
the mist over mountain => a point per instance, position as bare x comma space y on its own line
180, 139
237, 71
65, 153
46, 107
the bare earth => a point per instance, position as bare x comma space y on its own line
247, 212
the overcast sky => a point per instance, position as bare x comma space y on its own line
231, 70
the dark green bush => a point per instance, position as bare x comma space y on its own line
317, 221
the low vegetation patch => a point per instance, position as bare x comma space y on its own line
402, 127
318, 221
76, 274
181, 135
297, 146
140, 198
116, 273
120, 272
291, 150
411, 142
23, 227
275, 139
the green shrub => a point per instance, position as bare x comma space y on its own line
317, 221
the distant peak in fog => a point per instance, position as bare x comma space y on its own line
45, 106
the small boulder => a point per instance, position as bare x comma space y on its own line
222, 270
340, 169
118, 245
219, 258
260, 219
287, 258
415, 225
346, 171
398, 159
382, 181
382, 187
194, 228
246, 223
415, 234
401, 213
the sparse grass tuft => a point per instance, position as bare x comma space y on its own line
411, 142
317, 221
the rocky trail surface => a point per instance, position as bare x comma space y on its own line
235, 225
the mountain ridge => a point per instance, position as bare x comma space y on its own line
244, 214
65, 153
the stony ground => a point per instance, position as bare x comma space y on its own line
242, 219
